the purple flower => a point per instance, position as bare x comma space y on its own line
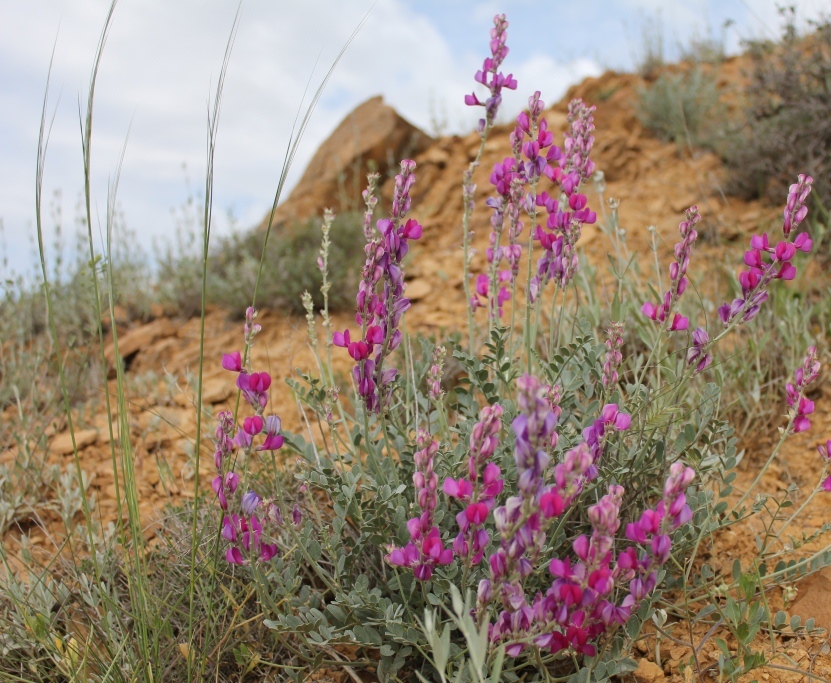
801, 406
425, 549
697, 355
379, 313
768, 263
490, 76
240, 530
232, 361
478, 495
678, 277
249, 503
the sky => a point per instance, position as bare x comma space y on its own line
163, 57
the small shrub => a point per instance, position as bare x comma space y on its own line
788, 116
290, 268
682, 107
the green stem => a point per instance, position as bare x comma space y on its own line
528, 340
468, 210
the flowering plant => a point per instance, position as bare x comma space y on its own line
549, 483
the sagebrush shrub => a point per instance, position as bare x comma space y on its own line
787, 117
683, 107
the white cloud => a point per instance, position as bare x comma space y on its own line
159, 65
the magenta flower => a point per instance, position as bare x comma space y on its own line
595, 436
795, 209
767, 263
254, 388
569, 168
478, 496
232, 361
425, 549
253, 425
225, 485
243, 532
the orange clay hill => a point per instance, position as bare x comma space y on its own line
653, 181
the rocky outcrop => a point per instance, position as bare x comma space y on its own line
373, 137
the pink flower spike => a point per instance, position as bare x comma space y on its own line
826, 484
232, 361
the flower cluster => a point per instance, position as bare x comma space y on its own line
767, 262
425, 549
569, 213
597, 433
579, 606
477, 496
490, 76
240, 530
379, 314
678, 277
800, 406
244, 531
436, 372
614, 357
520, 520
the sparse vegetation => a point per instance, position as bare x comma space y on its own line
683, 107
563, 496
787, 118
